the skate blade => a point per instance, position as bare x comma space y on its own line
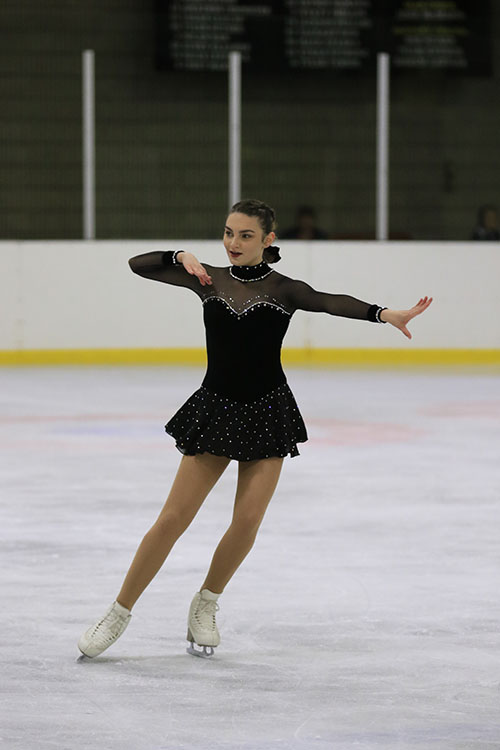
82, 657
205, 653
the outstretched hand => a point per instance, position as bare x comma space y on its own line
194, 267
400, 318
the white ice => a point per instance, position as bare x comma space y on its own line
367, 616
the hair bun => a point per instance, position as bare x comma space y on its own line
271, 254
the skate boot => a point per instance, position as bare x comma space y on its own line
202, 628
104, 633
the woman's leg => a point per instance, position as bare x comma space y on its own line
257, 481
195, 478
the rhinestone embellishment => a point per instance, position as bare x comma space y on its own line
250, 308
250, 273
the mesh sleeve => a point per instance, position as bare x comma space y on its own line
159, 266
302, 296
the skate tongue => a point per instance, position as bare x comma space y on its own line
207, 594
121, 609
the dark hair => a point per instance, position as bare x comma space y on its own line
267, 220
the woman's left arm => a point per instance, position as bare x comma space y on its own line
302, 296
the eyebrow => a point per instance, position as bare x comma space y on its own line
241, 230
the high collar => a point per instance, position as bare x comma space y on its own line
250, 273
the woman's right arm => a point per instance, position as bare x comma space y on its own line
159, 265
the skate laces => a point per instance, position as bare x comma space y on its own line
205, 613
111, 625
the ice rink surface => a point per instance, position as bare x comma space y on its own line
367, 615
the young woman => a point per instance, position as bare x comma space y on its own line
244, 409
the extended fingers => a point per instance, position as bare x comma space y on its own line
206, 277
424, 302
203, 276
421, 305
200, 272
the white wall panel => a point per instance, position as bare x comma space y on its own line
71, 295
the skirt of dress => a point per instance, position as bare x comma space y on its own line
272, 425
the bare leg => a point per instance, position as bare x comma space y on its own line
195, 478
257, 481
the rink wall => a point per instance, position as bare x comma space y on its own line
78, 302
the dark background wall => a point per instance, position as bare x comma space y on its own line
162, 136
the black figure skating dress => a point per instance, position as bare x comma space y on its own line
244, 408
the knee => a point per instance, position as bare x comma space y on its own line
247, 522
171, 524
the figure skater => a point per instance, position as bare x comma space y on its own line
244, 409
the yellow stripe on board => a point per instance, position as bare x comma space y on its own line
391, 357
299, 357
104, 357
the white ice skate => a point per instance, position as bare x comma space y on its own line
202, 628
105, 632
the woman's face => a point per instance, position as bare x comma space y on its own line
490, 219
244, 239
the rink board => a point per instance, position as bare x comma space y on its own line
300, 357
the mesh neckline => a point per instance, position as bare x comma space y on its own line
250, 273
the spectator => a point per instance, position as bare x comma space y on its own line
305, 226
487, 224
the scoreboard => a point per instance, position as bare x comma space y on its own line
324, 35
